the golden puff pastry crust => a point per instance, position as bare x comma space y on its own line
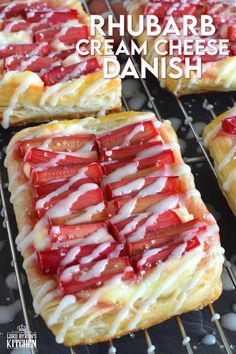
175, 286
217, 75
26, 98
222, 146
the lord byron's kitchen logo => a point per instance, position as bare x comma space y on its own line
21, 338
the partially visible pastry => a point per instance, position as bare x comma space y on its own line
114, 235
220, 138
218, 71
42, 77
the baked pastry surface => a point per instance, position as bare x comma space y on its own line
30, 88
178, 271
218, 73
220, 138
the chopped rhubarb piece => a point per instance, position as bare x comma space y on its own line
130, 134
70, 72
141, 203
50, 260
60, 173
68, 143
125, 188
14, 9
94, 274
126, 152
151, 258
71, 36
166, 220
229, 125
41, 191
34, 63
62, 54
164, 158
42, 49
180, 229
52, 16
164, 236
39, 156
97, 213
15, 26
85, 200
75, 232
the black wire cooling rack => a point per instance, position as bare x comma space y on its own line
182, 334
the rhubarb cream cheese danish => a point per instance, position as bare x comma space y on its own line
114, 235
42, 77
218, 72
220, 138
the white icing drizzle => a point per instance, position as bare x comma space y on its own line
101, 235
63, 207
155, 150
23, 233
125, 211
69, 90
230, 179
26, 240
165, 204
226, 70
29, 260
132, 224
155, 187
42, 292
176, 170
178, 251
227, 158
67, 300
191, 262
50, 90
41, 202
148, 254
49, 296
95, 253
212, 133
122, 172
92, 89
50, 163
95, 271
87, 214
138, 129
129, 187
86, 307
22, 88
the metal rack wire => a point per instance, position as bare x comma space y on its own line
205, 156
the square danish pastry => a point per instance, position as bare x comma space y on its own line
218, 71
42, 77
114, 235
220, 138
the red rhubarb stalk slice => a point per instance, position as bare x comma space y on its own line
68, 143
94, 274
61, 173
70, 72
130, 134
